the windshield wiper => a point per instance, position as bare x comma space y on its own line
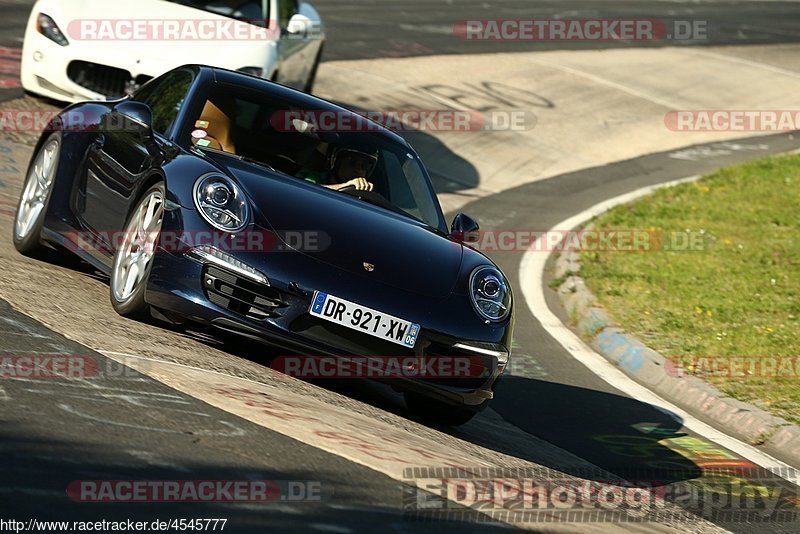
240, 158
376, 199
257, 162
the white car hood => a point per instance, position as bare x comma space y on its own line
154, 57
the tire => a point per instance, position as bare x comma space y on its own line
136, 251
436, 411
312, 76
35, 198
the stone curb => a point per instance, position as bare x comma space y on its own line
654, 371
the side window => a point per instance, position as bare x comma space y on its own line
247, 114
165, 96
286, 9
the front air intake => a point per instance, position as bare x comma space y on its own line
240, 295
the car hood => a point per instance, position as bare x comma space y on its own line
345, 232
148, 56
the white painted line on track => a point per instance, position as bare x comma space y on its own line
747, 62
531, 275
609, 83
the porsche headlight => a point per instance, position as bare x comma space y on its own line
221, 202
48, 27
490, 294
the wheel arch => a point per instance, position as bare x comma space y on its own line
154, 176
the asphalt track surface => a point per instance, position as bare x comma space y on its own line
128, 426
383, 28
181, 438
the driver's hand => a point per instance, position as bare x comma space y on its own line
361, 184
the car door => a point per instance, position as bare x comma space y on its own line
116, 161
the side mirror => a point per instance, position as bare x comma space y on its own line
137, 113
464, 229
299, 26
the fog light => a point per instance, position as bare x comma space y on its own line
209, 254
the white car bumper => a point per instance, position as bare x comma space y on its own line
44, 71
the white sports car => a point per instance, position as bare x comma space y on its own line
97, 49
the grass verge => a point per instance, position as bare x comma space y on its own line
728, 308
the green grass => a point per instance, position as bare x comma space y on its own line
740, 296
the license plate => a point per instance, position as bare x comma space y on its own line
363, 319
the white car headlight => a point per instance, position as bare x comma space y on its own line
48, 27
221, 202
490, 294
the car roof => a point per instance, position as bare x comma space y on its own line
300, 99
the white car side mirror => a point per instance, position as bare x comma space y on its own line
299, 25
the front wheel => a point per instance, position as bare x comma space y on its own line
133, 258
436, 411
29, 220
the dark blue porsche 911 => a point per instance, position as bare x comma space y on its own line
216, 197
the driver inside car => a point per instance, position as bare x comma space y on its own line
347, 167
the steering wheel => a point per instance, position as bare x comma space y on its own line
373, 197
286, 163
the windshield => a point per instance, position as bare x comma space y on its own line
254, 126
253, 11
